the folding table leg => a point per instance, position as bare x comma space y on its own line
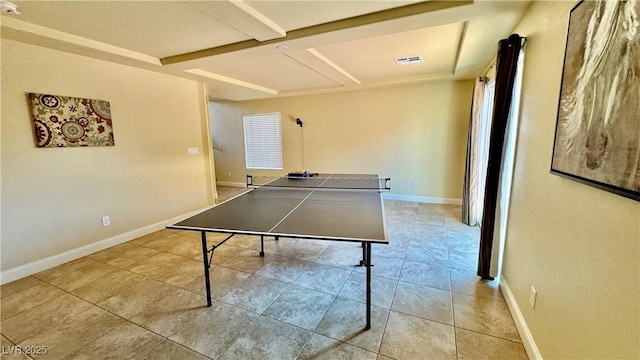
207, 282
261, 245
367, 264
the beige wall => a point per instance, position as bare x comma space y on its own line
53, 199
409, 133
578, 245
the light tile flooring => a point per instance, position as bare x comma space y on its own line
144, 299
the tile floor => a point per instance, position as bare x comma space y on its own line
144, 299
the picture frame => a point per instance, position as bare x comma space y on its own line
597, 137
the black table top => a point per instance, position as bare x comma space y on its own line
339, 207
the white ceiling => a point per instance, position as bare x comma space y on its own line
231, 46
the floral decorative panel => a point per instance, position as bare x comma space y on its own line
60, 121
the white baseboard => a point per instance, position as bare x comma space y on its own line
525, 335
37, 266
231, 184
422, 199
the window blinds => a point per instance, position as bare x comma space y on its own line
263, 141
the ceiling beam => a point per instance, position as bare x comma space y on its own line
463, 35
20, 30
234, 13
275, 28
334, 66
231, 81
361, 20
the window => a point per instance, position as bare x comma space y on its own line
263, 141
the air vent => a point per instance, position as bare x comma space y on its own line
408, 60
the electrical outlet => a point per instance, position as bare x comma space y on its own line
533, 294
106, 221
409, 184
193, 151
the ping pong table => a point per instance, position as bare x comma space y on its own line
339, 207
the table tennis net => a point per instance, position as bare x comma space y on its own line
352, 182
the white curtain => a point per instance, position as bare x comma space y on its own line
506, 176
471, 200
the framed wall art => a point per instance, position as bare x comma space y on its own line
597, 139
62, 121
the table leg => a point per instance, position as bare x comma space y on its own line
367, 264
261, 245
205, 259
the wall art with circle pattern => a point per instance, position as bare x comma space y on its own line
64, 121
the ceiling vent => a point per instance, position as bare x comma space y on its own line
408, 60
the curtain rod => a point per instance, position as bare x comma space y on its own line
523, 40
493, 64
